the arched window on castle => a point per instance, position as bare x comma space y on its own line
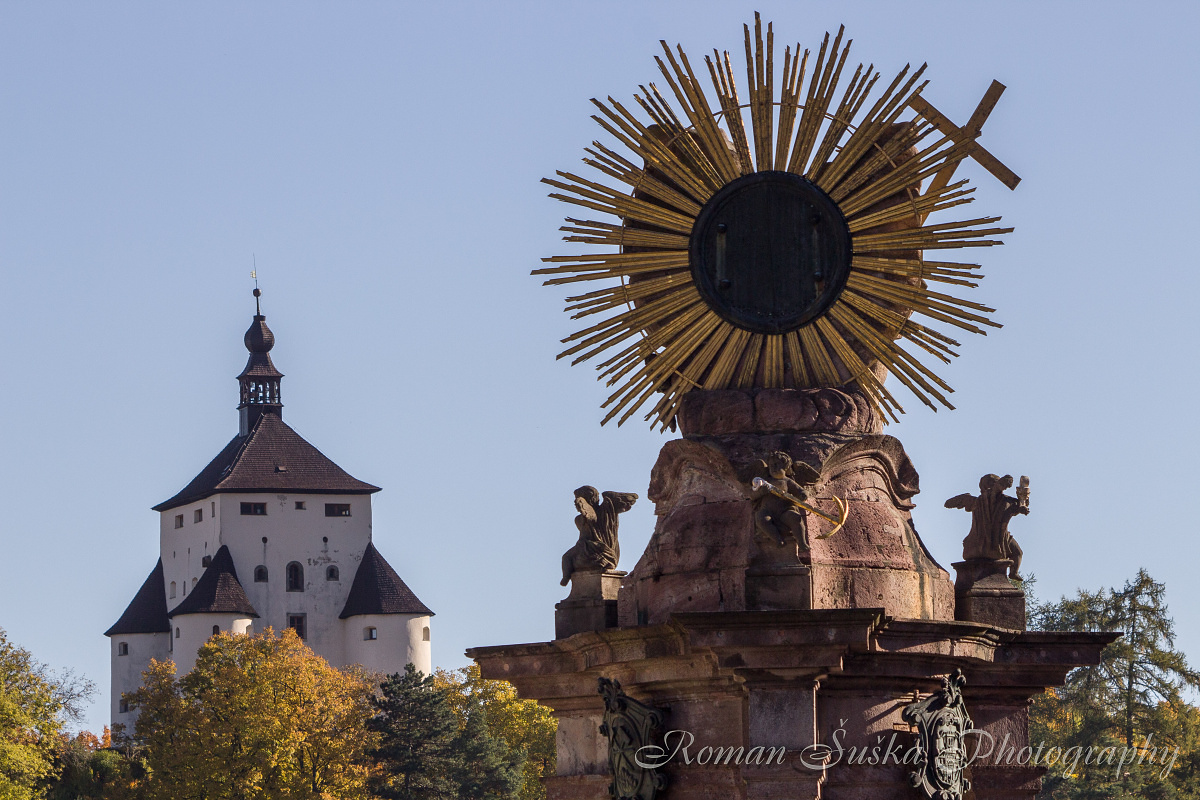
331, 573
295, 577
172, 590
260, 574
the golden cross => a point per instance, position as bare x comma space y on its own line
967, 133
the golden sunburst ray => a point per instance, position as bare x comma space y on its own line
715, 281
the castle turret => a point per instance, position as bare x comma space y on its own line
382, 616
217, 604
142, 633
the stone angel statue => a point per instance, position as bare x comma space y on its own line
780, 498
989, 538
597, 548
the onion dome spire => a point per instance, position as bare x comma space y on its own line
259, 381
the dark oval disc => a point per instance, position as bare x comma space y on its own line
770, 252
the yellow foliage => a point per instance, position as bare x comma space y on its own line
30, 723
257, 717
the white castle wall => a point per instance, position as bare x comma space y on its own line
196, 629
127, 669
305, 536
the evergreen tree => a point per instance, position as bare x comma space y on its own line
525, 725
419, 749
1135, 692
490, 770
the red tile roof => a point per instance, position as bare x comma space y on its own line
270, 458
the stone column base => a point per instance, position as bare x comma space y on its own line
591, 606
984, 594
779, 587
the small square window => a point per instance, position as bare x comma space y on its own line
124, 706
370, 634
122, 648
297, 623
206, 562
179, 520
198, 515
299, 505
254, 509
337, 509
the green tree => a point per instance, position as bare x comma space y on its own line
489, 769
87, 768
525, 725
257, 717
1133, 699
417, 750
35, 704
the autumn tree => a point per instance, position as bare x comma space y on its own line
1133, 699
524, 725
257, 717
35, 704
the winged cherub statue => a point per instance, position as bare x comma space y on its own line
990, 512
597, 548
780, 497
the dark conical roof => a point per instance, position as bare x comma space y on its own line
147, 612
218, 591
270, 458
377, 589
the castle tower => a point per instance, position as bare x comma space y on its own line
271, 533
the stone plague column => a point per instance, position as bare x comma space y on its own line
747, 638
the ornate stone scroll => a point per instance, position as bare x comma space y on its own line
942, 724
630, 725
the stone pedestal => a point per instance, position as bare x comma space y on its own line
745, 645
591, 605
779, 587
983, 593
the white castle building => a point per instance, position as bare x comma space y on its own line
270, 534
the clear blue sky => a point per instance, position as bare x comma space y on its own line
382, 162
